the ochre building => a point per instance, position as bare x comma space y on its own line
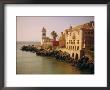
79, 39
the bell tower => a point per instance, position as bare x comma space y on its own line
43, 35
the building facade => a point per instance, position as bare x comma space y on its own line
62, 40
79, 39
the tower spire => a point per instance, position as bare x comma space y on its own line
43, 29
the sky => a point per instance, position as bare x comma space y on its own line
29, 28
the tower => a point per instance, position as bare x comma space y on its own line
43, 35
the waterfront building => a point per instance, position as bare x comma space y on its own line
62, 40
80, 39
46, 42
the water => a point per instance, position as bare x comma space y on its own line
29, 63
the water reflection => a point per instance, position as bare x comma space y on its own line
29, 63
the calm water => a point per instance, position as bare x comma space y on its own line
29, 63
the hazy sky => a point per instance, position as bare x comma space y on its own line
29, 28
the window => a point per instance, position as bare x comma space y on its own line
44, 34
77, 47
67, 42
73, 55
73, 47
70, 34
77, 41
74, 42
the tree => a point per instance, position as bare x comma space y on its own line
54, 35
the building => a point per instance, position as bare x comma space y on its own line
43, 35
79, 39
46, 42
62, 40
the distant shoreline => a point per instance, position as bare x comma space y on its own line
28, 41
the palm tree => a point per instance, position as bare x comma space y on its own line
54, 35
